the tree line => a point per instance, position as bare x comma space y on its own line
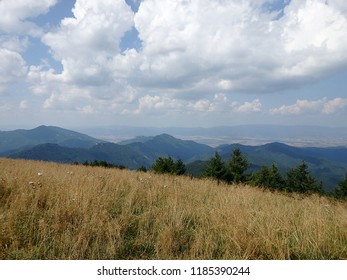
100, 163
296, 180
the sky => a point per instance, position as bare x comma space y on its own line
161, 63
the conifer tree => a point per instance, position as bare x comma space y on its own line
179, 168
215, 168
300, 180
238, 164
341, 189
276, 180
168, 165
163, 165
269, 178
261, 178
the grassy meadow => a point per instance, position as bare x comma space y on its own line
55, 211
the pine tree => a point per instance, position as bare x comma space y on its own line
299, 180
169, 166
163, 165
215, 168
179, 168
261, 178
341, 189
238, 164
276, 180
269, 178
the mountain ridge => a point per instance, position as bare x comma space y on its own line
327, 164
22, 139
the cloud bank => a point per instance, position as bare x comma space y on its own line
194, 55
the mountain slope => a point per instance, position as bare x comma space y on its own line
328, 165
21, 138
53, 152
109, 152
166, 145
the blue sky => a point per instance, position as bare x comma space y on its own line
172, 62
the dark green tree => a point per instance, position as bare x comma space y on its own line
163, 165
237, 166
142, 169
215, 168
179, 168
168, 165
341, 189
276, 180
300, 180
261, 178
269, 178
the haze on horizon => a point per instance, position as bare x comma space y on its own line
165, 63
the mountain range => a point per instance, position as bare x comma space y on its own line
298, 135
60, 145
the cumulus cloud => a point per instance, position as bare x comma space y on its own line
303, 106
237, 46
155, 104
220, 103
194, 54
13, 68
247, 107
87, 43
15, 27
334, 105
16, 15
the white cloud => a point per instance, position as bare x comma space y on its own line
15, 27
236, 46
218, 104
88, 43
154, 104
334, 105
202, 105
303, 106
15, 15
14, 43
194, 55
248, 107
12, 68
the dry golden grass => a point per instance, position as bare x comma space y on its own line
75, 212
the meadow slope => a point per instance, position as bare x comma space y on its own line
55, 211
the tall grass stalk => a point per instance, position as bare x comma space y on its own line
77, 212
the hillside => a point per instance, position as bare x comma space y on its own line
23, 139
166, 145
54, 211
112, 153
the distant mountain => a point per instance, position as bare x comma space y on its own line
53, 152
138, 152
119, 155
56, 144
165, 145
112, 153
294, 135
22, 139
